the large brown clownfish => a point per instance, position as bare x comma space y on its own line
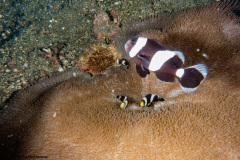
150, 54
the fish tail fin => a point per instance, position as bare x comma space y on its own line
190, 78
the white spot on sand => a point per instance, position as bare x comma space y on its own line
74, 74
205, 55
60, 69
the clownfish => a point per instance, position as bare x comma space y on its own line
149, 99
123, 62
151, 54
124, 100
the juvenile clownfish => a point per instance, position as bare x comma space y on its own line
150, 54
123, 62
124, 100
149, 99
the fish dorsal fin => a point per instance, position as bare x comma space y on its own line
160, 44
180, 55
142, 71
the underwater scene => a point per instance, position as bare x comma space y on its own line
39, 38
112, 79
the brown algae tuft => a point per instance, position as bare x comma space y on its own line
98, 57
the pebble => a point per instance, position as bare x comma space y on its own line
7, 70
15, 70
60, 69
25, 65
117, 3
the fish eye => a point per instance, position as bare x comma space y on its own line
133, 42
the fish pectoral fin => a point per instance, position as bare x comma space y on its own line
142, 71
165, 77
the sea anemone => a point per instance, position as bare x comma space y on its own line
76, 115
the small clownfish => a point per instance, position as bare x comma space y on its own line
123, 62
149, 99
124, 100
151, 54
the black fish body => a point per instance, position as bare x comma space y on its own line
149, 99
